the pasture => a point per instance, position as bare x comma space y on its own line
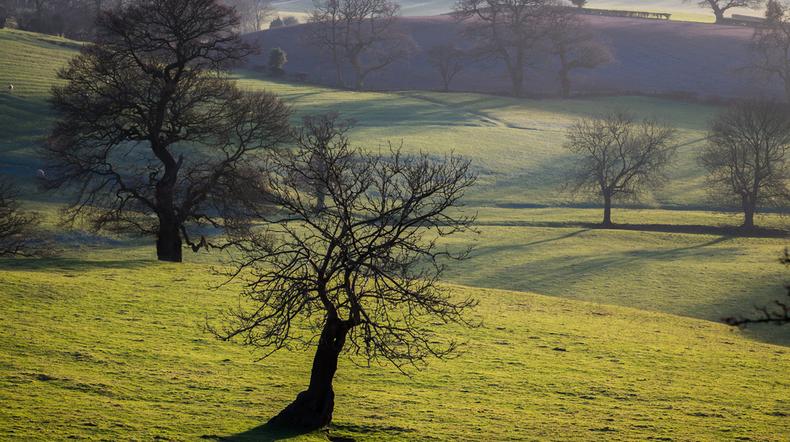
585, 333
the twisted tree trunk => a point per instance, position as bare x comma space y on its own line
312, 409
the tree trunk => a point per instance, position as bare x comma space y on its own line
168, 241
719, 15
565, 84
517, 78
748, 213
607, 210
312, 409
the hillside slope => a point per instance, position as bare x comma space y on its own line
652, 57
108, 345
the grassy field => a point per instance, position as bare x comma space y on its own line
515, 144
104, 343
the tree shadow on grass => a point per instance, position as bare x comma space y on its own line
339, 432
262, 433
70, 264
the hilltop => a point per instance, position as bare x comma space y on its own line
653, 57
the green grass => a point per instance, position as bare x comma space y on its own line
698, 275
30, 62
516, 144
104, 343
107, 345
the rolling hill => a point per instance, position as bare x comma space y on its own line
104, 343
678, 8
652, 57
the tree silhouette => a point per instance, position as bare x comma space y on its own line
618, 156
747, 157
357, 272
152, 137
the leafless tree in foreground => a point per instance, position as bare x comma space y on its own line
771, 45
778, 314
359, 33
619, 156
747, 157
18, 236
511, 30
152, 136
357, 273
449, 61
719, 7
574, 44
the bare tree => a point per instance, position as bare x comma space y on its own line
778, 314
719, 7
509, 30
18, 235
449, 61
747, 157
359, 33
575, 46
152, 136
360, 275
771, 45
253, 14
619, 156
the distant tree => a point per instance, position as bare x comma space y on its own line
18, 235
252, 13
276, 23
618, 156
579, 3
277, 60
747, 157
359, 33
719, 7
152, 136
778, 314
290, 20
448, 60
4, 14
360, 276
771, 45
509, 30
774, 11
574, 44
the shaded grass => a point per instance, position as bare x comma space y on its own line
112, 351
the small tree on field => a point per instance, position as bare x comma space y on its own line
18, 235
719, 7
618, 156
361, 275
449, 61
579, 3
778, 314
747, 157
277, 60
152, 136
290, 20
